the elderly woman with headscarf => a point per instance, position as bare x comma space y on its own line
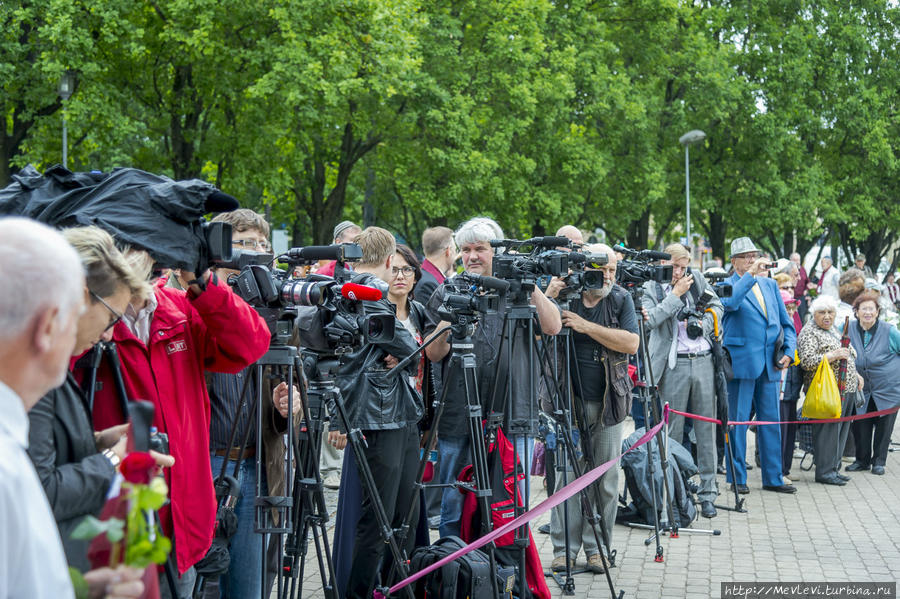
819, 339
877, 344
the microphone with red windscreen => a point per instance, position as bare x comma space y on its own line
355, 291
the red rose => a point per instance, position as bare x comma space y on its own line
138, 467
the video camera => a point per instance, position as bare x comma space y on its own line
636, 268
467, 295
579, 278
334, 320
716, 277
522, 269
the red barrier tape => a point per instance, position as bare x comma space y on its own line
563, 494
818, 421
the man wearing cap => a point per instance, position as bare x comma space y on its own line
344, 232
861, 264
761, 339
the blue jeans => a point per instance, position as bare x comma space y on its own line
455, 456
244, 575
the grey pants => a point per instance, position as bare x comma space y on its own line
829, 440
607, 444
689, 387
330, 458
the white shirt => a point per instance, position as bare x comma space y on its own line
32, 562
139, 322
830, 279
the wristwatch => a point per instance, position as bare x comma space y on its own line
113, 457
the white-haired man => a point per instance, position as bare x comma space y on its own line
473, 238
37, 335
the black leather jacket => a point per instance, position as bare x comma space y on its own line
372, 400
74, 474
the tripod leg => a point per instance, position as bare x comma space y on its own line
356, 441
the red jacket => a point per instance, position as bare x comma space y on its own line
216, 331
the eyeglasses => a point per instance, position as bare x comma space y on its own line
252, 244
407, 271
116, 316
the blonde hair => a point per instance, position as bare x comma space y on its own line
782, 278
377, 245
141, 263
105, 267
677, 251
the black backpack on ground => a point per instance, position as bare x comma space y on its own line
468, 577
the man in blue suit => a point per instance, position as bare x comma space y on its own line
760, 336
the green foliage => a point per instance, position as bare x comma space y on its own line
409, 113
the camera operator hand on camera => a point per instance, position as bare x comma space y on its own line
556, 285
280, 399
197, 285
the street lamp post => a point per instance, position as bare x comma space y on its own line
687, 140
66, 87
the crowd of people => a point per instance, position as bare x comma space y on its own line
188, 344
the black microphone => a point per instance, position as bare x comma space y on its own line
654, 255
487, 282
550, 241
316, 252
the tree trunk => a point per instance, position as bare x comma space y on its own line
717, 229
639, 231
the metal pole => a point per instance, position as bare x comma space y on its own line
65, 141
687, 191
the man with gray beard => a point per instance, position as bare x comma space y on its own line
605, 331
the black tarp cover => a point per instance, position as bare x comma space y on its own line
138, 208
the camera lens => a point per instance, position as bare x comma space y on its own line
302, 293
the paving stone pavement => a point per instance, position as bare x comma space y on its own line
821, 533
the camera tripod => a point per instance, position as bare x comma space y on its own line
518, 328
648, 395
564, 403
462, 364
322, 392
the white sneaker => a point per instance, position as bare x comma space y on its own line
332, 481
786, 481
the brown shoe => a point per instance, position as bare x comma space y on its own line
597, 564
559, 564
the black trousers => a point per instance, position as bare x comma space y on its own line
393, 456
873, 437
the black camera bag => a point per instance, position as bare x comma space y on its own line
466, 577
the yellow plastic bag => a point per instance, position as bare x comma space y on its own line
823, 398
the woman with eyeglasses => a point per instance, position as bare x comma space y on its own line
405, 273
76, 465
